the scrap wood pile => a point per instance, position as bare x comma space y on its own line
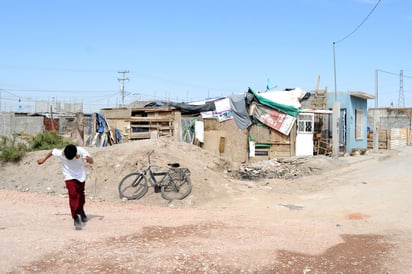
288, 168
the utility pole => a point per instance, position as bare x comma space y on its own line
375, 116
376, 88
335, 113
122, 80
401, 99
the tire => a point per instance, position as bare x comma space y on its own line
133, 186
177, 187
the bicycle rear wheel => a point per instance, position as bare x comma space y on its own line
133, 186
177, 186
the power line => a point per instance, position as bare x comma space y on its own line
393, 73
53, 69
7, 91
55, 90
364, 20
388, 72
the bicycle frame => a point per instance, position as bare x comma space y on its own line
153, 175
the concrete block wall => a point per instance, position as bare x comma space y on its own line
12, 124
6, 124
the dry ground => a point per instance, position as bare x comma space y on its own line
315, 224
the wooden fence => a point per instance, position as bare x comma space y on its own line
391, 138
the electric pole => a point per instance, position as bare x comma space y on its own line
122, 80
401, 99
375, 116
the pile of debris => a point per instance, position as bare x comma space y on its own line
286, 168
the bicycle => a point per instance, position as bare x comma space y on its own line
173, 184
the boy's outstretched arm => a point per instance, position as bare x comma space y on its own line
89, 159
41, 161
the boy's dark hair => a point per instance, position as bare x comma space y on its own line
70, 151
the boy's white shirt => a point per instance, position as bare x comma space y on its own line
75, 168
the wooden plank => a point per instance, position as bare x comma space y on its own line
277, 151
258, 159
260, 133
142, 126
154, 109
140, 135
150, 119
292, 139
177, 126
276, 142
160, 127
282, 145
396, 138
120, 113
276, 136
165, 128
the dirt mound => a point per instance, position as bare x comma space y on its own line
214, 178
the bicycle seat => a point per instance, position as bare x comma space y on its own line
174, 165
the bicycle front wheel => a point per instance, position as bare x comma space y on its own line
133, 186
177, 187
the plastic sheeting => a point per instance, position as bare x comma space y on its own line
193, 109
271, 101
239, 111
103, 136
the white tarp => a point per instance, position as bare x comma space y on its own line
285, 97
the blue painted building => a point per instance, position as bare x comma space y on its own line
353, 124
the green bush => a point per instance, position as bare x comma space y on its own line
15, 147
48, 140
11, 149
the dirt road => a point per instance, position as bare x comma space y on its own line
355, 219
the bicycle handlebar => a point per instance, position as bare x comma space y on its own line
148, 156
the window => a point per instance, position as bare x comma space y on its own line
359, 124
305, 123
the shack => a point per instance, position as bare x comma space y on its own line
394, 127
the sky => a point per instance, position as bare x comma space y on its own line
184, 51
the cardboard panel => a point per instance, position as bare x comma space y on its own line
280, 151
226, 140
260, 133
212, 140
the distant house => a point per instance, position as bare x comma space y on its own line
353, 124
394, 127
